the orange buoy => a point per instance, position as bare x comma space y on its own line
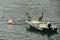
10, 22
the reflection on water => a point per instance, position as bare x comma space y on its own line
10, 28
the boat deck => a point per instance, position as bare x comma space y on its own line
39, 24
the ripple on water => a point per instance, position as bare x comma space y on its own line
16, 11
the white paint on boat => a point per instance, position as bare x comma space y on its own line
43, 25
40, 24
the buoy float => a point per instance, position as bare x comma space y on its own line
10, 22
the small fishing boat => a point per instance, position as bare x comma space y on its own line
40, 25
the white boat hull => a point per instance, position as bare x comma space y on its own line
40, 25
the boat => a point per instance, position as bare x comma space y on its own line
41, 25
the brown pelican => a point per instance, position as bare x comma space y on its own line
29, 17
40, 18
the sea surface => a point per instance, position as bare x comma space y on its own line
16, 11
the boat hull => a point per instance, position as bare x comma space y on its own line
43, 26
44, 29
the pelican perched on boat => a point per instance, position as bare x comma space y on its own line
40, 25
40, 18
29, 17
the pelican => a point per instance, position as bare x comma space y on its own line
40, 18
29, 17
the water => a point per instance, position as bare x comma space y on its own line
16, 10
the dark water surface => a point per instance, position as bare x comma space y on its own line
16, 10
